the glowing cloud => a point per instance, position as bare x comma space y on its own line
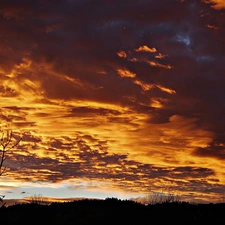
212, 27
126, 73
160, 56
168, 90
156, 64
122, 54
158, 102
217, 4
145, 86
145, 48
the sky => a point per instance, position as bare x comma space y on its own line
113, 98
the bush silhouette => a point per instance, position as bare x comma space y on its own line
113, 211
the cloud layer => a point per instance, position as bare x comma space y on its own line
125, 95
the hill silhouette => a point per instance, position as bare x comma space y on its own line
113, 211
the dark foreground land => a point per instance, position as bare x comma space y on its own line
113, 211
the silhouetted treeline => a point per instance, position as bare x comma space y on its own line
113, 211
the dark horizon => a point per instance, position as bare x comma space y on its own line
114, 211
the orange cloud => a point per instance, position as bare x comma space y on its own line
168, 90
160, 56
158, 102
126, 73
122, 54
145, 48
217, 4
212, 27
156, 64
145, 86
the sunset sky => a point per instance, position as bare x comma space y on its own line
113, 98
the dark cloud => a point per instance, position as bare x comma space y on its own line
215, 150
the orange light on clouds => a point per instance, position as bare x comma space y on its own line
144, 86
145, 48
160, 56
217, 4
122, 54
212, 27
168, 90
153, 63
157, 103
126, 73
104, 110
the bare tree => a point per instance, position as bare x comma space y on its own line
39, 199
7, 143
161, 197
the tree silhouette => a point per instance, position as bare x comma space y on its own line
7, 143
